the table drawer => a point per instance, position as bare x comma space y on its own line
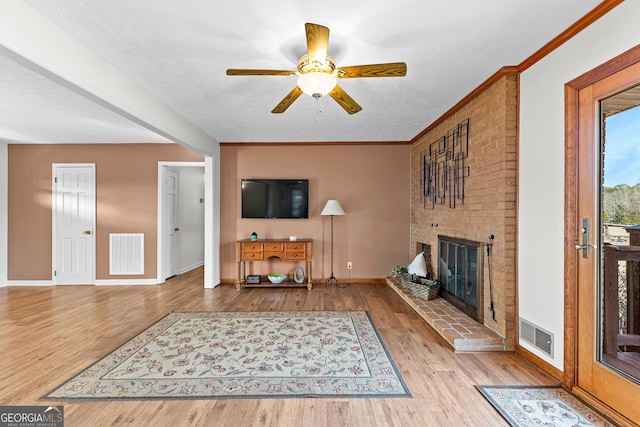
295, 255
248, 256
251, 251
251, 247
273, 247
295, 250
295, 246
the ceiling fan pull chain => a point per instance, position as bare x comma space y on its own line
317, 111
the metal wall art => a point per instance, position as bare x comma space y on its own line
444, 170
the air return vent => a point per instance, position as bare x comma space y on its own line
536, 336
126, 253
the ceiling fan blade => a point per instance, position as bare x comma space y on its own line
317, 42
392, 69
287, 101
345, 100
236, 72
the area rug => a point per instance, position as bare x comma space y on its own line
218, 355
524, 406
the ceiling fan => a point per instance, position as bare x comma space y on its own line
317, 73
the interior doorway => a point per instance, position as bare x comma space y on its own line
171, 229
181, 218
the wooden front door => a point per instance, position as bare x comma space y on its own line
588, 369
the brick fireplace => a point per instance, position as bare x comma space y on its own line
484, 195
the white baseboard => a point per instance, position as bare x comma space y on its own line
29, 282
125, 282
103, 282
191, 267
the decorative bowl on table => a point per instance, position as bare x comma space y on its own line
276, 277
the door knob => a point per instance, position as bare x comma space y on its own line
176, 229
87, 231
584, 247
588, 245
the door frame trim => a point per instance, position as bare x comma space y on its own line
160, 234
571, 225
54, 259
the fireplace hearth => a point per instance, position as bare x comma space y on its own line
459, 315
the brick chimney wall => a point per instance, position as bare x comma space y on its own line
490, 193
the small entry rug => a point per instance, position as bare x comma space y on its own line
218, 355
524, 406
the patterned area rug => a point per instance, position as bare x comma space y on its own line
541, 406
217, 355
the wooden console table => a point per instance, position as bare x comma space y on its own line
261, 250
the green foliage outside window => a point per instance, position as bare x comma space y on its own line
621, 204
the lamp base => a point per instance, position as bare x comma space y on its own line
332, 277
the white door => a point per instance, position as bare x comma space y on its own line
74, 216
171, 181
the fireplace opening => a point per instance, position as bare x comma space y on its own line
460, 274
425, 249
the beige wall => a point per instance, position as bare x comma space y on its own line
372, 182
126, 200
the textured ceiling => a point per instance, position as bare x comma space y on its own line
177, 51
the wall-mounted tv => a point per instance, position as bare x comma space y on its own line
275, 198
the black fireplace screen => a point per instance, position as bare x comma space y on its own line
460, 275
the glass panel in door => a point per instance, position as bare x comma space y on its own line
619, 290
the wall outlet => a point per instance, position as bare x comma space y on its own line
349, 265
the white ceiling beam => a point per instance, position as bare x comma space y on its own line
32, 40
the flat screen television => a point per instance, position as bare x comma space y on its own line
275, 198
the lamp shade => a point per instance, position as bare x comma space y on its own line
332, 208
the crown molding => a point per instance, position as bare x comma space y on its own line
596, 13
504, 71
291, 144
591, 17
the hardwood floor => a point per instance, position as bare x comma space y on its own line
50, 333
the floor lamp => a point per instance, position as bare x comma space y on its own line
332, 208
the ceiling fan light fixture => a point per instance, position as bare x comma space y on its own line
316, 83
317, 73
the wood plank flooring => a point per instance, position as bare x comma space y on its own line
50, 333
